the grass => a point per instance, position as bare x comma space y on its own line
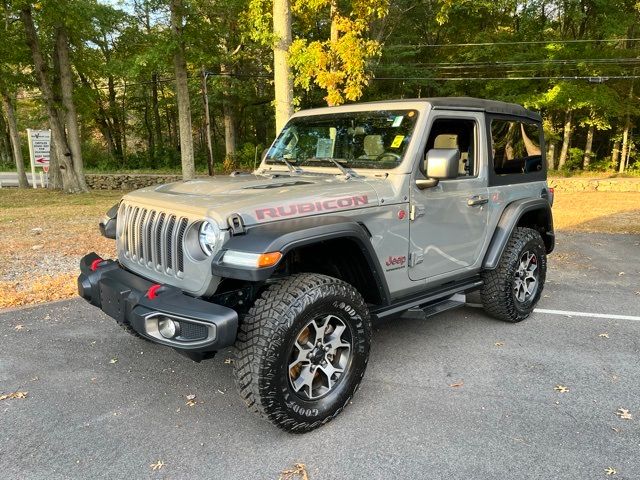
608, 212
41, 265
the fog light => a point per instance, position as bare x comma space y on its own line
168, 328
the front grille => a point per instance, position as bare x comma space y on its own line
153, 238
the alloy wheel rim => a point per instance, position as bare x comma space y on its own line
319, 357
525, 283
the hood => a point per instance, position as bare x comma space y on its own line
259, 199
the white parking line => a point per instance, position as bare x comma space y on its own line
567, 313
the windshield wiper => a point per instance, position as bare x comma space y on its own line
291, 168
347, 172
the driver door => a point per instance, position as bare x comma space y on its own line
449, 221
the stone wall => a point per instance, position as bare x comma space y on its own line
579, 184
119, 181
576, 184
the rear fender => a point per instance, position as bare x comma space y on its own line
536, 210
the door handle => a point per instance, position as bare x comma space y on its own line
476, 200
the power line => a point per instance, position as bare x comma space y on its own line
523, 42
515, 63
593, 78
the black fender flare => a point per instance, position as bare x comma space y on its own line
288, 235
509, 219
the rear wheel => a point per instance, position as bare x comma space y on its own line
302, 351
511, 291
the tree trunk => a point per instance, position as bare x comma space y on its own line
66, 87
182, 92
551, 155
15, 140
588, 147
282, 78
65, 160
156, 110
207, 123
625, 133
114, 110
625, 143
229, 117
6, 157
615, 153
566, 140
151, 145
334, 36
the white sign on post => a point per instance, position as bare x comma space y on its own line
39, 151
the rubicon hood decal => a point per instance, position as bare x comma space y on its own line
260, 199
305, 208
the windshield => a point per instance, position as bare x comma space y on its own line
374, 139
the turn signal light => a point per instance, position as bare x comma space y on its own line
269, 259
251, 260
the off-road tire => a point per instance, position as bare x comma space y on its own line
267, 334
498, 296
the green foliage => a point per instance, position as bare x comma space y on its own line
515, 50
339, 64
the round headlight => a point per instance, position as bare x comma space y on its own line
209, 237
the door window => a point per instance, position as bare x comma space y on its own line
456, 133
516, 147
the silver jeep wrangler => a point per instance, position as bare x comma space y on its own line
356, 214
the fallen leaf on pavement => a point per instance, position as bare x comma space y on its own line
299, 470
604, 335
158, 465
624, 414
561, 389
456, 385
11, 396
610, 471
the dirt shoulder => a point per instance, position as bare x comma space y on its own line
44, 234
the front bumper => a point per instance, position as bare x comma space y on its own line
203, 326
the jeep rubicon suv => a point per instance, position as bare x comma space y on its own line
356, 213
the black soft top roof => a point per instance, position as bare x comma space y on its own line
477, 104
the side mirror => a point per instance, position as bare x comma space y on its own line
440, 164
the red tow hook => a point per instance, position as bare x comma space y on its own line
95, 264
153, 291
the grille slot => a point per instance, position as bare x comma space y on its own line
154, 239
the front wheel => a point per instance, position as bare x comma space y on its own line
511, 291
302, 351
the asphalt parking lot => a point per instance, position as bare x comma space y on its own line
102, 404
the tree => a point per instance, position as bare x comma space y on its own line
338, 65
182, 91
282, 78
7, 103
69, 173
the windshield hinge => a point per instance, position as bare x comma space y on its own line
416, 211
416, 258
